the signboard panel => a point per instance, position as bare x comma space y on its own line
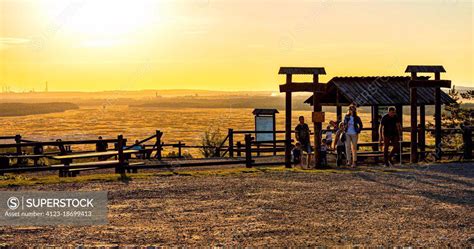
318, 117
264, 123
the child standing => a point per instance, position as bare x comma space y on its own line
297, 154
323, 153
339, 142
328, 136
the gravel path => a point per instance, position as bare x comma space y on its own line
398, 207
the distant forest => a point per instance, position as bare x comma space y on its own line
22, 109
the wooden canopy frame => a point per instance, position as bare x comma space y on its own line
316, 88
414, 84
320, 97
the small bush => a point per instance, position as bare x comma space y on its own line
211, 139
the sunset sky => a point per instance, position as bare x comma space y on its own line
94, 45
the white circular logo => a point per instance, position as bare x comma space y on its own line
13, 203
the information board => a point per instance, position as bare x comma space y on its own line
264, 123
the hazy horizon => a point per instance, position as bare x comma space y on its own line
86, 45
197, 90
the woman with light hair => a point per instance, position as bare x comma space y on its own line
353, 126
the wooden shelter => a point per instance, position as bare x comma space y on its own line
415, 91
318, 116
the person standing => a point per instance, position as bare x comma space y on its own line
339, 144
353, 126
390, 134
329, 133
302, 135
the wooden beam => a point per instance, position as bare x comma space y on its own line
375, 126
430, 83
399, 110
338, 106
288, 117
303, 87
302, 70
317, 125
248, 150
339, 113
421, 131
18, 142
438, 119
413, 116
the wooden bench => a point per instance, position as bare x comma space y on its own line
373, 144
362, 155
66, 160
90, 166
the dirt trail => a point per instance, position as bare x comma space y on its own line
423, 207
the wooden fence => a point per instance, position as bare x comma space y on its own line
230, 151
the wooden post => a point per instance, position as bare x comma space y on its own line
248, 150
274, 135
18, 144
414, 116
338, 107
239, 149
121, 157
438, 144
231, 143
317, 125
179, 149
399, 109
375, 127
158, 144
422, 134
288, 117
467, 137
339, 113
258, 149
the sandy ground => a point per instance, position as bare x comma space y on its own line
429, 206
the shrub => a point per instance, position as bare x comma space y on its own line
211, 139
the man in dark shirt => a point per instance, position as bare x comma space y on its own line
390, 134
302, 135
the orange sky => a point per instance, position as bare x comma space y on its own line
92, 45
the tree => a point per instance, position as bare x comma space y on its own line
455, 116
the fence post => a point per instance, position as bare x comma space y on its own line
158, 144
248, 150
121, 157
239, 149
18, 142
467, 137
231, 143
179, 149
